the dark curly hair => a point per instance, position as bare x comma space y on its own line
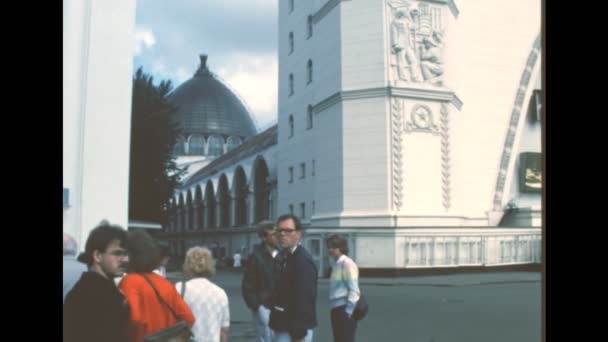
100, 238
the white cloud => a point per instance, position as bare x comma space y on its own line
249, 5
144, 38
255, 79
181, 75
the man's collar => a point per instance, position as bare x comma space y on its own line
293, 249
269, 249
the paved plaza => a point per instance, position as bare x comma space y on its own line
475, 307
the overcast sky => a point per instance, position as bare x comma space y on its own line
240, 37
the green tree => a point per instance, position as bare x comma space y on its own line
153, 172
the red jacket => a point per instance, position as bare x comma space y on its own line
147, 312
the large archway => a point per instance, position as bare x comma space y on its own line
241, 192
189, 212
210, 205
199, 207
223, 200
181, 213
261, 189
523, 93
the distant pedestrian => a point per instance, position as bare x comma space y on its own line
72, 268
237, 260
164, 259
208, 302
343, 290
258, 280
95, 310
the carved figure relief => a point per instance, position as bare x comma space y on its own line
430, 59
403, 44
416, 42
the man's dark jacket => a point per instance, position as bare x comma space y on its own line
258, 281
296, 294
95, 311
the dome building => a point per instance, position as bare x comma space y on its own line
435, 164
211, 118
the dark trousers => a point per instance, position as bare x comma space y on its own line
343, 327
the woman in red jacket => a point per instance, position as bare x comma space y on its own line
147, 313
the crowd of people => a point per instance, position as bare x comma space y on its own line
117, 289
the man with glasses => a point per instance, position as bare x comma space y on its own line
258, 280
95, 309
293, 316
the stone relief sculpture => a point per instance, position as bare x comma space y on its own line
403, 39
430, 59
416, 40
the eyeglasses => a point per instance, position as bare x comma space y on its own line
119, 253
286, 231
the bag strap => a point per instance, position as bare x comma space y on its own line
183, 291
177, 318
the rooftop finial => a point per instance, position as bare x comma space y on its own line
202, 69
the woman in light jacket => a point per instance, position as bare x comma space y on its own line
343, 290
208, 302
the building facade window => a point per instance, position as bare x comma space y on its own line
309, 72
291, 5
313, 167
302, 210
309, 117
290, 84
309, 26
216, 146
291, 209
290, 126
302, 170
312, 211
291, 43
196, 146
290, 174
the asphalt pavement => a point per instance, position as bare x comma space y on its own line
469, 307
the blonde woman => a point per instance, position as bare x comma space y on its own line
208, 302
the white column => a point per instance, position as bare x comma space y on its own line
76, 19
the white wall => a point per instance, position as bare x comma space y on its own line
97, 112
494, 39
486, 53
366, 174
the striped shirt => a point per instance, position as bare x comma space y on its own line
344, 284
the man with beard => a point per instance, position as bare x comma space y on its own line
95, 309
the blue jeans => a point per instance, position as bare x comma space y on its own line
261, 318
283, 336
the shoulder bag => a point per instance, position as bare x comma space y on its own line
361, 307
178, 332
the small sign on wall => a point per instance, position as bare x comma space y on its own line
530, 176
66, 198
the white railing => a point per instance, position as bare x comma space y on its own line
486, 248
